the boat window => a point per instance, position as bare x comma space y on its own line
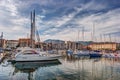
18, 50
30, 52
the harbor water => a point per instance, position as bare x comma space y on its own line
64, 69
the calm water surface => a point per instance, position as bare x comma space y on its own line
66, 69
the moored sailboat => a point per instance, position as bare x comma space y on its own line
31, 54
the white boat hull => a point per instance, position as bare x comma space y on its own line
37, 58
34, 58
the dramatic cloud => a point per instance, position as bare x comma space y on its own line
61, 19
11, 23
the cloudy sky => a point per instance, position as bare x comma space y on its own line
62, 19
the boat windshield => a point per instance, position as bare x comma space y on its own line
29, 52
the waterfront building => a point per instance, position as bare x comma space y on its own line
58, 46
11, 43
118, 46
55, 44
40, 45
103, 45
24, 42
2, 43
74, 45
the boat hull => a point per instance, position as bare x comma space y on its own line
35, 59
95, 55
13, 60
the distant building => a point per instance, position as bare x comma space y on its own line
74, 45
39, 45
11, 43
59, 45
103, 45
118, 46
55, 44
24, 42
2, 43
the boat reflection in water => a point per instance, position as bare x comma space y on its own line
29, 68
82, 68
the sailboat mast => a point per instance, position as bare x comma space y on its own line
111, 41
78, 47
93, 36
31, 38
101, 40
110, 37
83, 33
93, 31
34, 25
32, 29
104, 41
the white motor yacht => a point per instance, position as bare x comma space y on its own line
32, 55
